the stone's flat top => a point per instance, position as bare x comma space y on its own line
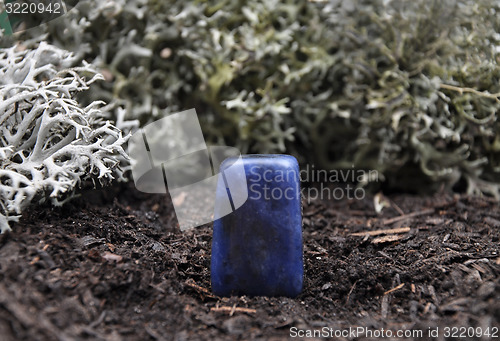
266, 156
269, 160
257, 249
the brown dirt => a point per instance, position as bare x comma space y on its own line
112, 265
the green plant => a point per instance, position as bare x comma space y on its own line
400, 87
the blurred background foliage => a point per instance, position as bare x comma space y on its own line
411, 89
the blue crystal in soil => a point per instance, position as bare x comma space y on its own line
257, 249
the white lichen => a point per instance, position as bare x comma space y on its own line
49, 143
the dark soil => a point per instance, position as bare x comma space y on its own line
112, 265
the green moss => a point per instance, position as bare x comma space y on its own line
386, 85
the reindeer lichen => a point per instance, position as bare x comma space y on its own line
49, 143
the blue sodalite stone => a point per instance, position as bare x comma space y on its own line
257, 249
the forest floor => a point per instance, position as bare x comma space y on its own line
113, 265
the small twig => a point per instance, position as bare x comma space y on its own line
190, 282
407, 216
394, 289
427, 308
233, 309
99, 320
387, 239
396, 207
379, 232
312, 213
350, 292
361, 213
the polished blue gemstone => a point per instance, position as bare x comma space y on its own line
257, 248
